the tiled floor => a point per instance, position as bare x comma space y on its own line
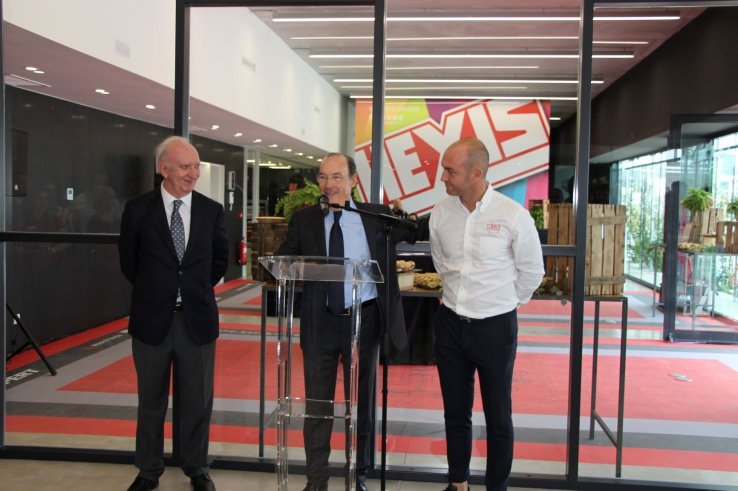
91, 404
28, 475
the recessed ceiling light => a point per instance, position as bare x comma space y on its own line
258, 140
102, 91
273, 145
287, 149
214, 127
310, 157
250, 161
238, 134
299, 154
150, 106
31, 68
40, 72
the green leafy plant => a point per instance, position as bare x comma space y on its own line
732, 208
697, 200
294, 200
537, 214
305, 196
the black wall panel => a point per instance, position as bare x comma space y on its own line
105, 159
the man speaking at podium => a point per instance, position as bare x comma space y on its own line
325, 320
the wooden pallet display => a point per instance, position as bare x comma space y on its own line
560, 232
268, 234
705, 224
727, 237
604, 260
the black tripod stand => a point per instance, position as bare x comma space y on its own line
30, 341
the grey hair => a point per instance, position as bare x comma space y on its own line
161, 148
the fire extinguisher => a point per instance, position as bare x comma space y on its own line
242, 257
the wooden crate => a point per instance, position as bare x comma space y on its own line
727, 237
704, 224
268, 234
605, 254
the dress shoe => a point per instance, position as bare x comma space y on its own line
316, 487
143, 484
451, 487
361, 486
202, 482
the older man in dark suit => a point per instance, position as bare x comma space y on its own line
173, 249
325, 329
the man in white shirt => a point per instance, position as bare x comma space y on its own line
486, 248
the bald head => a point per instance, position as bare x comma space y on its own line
465, 163
474, 153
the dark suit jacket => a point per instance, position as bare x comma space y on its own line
306, 237
149, 261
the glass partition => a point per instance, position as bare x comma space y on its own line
283, 94
667, 436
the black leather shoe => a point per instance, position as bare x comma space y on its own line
360, 486
202, 482
143, 484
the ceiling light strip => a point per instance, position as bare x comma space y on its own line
452, 97
461, 38
464, 81
335, 56
396, 89
496, 18
464, 67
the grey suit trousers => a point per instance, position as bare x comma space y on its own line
195, 372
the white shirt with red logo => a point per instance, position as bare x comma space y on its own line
490, 259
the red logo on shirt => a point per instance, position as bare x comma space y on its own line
493, 227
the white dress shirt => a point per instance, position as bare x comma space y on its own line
185, 210
490, 259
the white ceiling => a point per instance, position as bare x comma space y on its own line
63, 65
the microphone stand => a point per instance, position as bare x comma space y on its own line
390, 221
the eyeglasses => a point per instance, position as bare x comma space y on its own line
335, 178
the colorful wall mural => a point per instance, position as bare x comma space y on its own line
417, 131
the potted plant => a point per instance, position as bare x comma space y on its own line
304, 196
294, 200
696, 201
732, 208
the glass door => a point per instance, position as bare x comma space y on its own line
703, 272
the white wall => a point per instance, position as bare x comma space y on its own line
274, 84
275, 88
212, 181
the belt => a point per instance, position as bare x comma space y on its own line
462, 318
364, 305
178, 307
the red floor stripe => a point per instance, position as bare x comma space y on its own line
552, 452
230, 285
540, 383
245, 312
69, 342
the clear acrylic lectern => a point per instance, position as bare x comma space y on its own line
288, 270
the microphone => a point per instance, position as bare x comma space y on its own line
324, 204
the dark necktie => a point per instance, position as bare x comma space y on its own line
177, 227
335, 249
